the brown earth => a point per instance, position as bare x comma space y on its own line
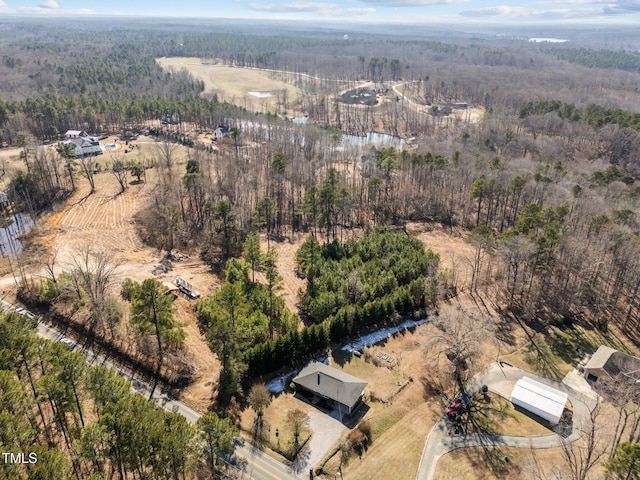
105, 220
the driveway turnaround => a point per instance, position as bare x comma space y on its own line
500, 379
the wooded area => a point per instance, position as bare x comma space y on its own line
542, 184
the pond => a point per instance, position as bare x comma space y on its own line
20, 223
373, 139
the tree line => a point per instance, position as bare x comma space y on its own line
85, 422
593, 115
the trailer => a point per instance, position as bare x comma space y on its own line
186, 288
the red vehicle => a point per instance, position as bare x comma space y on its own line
455, 409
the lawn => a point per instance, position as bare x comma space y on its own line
557, 351
502, 418
399, 431
490, 463
383, 379
275, 420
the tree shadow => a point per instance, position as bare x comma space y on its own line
83, 199
259, 434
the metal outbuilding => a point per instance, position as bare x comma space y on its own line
545, 401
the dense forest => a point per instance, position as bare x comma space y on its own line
540, 160
86, 422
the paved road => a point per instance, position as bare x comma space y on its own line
500, 380
259, 466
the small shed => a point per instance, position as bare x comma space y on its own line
545, 401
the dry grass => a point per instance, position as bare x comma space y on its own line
233, 84
400, 427
508, 421
275, 418
399, 432
489, 464
556, 354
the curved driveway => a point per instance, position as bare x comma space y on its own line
500, 380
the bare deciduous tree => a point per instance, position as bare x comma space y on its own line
92, 272
458, 339
583, 454
120, 171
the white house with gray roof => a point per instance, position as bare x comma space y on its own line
327, 382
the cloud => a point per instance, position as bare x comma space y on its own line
352, 12
411, 3
622, 7
324, 9
50, 4
3, 6
292, 7
502, 10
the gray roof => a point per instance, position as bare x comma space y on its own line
331, 383
601, 357
615, 362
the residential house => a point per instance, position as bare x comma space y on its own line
320, 381
607, 363
221, 132
84, 146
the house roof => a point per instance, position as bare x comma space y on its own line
614, 362
601, 357
331, 383
82, 142
76, 133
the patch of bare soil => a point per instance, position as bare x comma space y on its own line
286, 266
198, 395
455, 253
105, 220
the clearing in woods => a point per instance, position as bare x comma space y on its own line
234, 84
105, 220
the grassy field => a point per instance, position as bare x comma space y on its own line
399, 431
506, 420
233, 84
556, 354
275, 419
490, 464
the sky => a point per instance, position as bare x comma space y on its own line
360, 11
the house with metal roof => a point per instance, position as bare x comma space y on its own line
323, 381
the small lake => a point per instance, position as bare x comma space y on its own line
20, 224
373, 139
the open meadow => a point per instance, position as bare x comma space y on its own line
253, 89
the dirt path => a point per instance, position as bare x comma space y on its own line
285, 265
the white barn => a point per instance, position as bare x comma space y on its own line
543, 400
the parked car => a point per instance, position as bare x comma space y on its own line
455, 408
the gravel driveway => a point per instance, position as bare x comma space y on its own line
326, 432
